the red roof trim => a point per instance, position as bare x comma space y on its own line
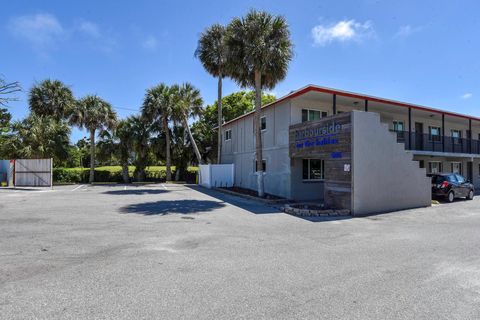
356, 96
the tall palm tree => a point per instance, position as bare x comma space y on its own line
188, 103
212, 51
93, 113
51, 98
260, 50
158, 106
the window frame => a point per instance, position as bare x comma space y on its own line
430, 135
460, 172
323, 114
261, 123
456, 140
228, 134
308, 179
430, 166
400, 133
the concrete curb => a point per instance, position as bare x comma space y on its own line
314, 212
246, 196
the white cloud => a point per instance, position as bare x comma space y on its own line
90, 29
467, 95
42, 31
150, 43
342, 31
406, 31
96, 37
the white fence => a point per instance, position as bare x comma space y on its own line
33, 172
216, 175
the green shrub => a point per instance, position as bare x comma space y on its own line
114, 174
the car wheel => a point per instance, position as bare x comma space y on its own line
470, 195
450, 196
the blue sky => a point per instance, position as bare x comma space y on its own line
424, 52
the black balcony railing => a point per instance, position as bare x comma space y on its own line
437, 143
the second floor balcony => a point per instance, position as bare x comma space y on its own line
437, 143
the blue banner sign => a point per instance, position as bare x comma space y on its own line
319, 136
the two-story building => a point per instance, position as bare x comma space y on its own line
438, 140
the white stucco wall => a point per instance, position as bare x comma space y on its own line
384, 176
240, 150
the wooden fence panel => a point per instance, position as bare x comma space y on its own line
33, 172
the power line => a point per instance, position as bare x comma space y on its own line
129, 109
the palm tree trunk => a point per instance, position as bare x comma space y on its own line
168, 156
125, 171
258, 133
194, 145
219, 104
92, 156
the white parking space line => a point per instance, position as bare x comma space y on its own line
80, 186
125, 188
163, 186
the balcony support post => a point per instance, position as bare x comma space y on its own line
366, 105
443, 132
334, 104
410, 129
470, 145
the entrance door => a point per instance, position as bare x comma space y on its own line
418, 136
470, 171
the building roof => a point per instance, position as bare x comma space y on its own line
314, 88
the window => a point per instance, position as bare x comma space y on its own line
460, 178
263, 123
310, 115
456, 167
434, 167
456, 136
228, 134
264, 165
399, 128
313, 169
421, 164
434, 133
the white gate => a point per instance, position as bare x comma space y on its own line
216, 175
33, 173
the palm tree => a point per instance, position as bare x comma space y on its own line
37, 137
188, 103
117, 143
212, 51
123, 134
158, 106
140, 130
51, 98
260, 50
93, 113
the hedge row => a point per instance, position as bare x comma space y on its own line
114, 174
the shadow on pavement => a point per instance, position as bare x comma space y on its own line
135, 191
166, 207
252, 206
258, 207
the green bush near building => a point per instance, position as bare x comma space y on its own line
114, 174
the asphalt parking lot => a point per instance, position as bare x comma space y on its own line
176, 252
